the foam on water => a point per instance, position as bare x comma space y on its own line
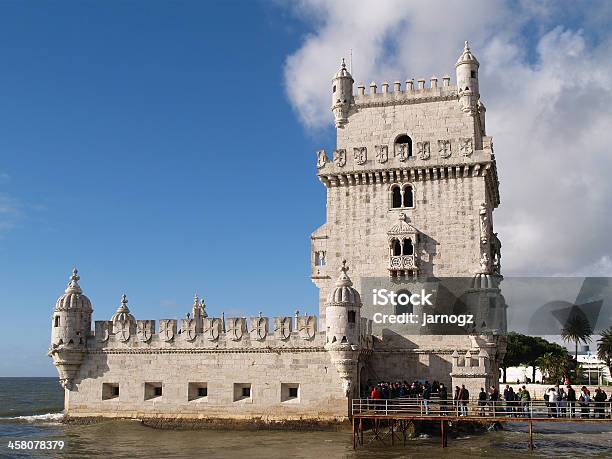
48, 417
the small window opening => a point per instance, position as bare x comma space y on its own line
344, 340
397, 197
246, 391
402, 303
290, 392
397, 248
57, 321
408, 249
110, 391
408, 197
153, 390
351, 317
334, 89
473, 74
293, 392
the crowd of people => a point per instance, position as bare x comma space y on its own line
557, 401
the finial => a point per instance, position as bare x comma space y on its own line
297, 312
124, 300
260, 314
343, 64
344, 267
467, 46
196, 300
73, 283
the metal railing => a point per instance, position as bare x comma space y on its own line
533, 409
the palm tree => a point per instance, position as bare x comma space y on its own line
577, 329
604, 348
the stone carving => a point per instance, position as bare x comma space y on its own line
402, 151
361, 155
444, 148
236, 327
423, 149
282, 326
484, 223
189, 329
485, 263
307, 326
212, 328
122, 330
321, 159
382, 153
167, 329
340, 157
145, 329
259, 327
465, 146
103, 331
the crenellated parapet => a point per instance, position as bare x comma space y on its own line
410, 93
217, 333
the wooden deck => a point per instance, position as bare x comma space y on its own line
389, 420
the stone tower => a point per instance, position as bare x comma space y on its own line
411, 189
70, 328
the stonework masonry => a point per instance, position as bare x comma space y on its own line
411, 190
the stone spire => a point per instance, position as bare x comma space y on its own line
73, 284
123, 312
467, 57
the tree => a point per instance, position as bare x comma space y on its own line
555, 367
577, 329
604, 348
526, 350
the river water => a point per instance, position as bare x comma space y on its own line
30, 410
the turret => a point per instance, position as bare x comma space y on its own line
343, 319
467, 80
70, 328
342, 95
124, 323
198, 312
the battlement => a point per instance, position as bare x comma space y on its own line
411, 93
234, 333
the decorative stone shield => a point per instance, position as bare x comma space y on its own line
167, 329
340, 157
236, 327
259, 328
382, 153
145, 329
465, 146
444, 148
401, 151
212, 328
360, 155
307, 326
282, 327
102, 330
122, 330
321, 159
188, 329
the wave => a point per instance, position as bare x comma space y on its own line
48, 417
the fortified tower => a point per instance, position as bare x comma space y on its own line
411, 190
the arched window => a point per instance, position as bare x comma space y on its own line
397, 248
396, 197
408, 249
408, 196
402, 303
404, 142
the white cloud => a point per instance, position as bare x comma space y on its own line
548, 94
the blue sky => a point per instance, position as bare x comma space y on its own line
151, 145
166, 148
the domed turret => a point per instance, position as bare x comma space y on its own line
467, 80
342, 95
343, 318
70, 328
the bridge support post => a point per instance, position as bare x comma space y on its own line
354, 439
443, 433
531, 435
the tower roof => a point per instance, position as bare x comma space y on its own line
467, 57
343, 72
123, 312
73, 297
344, 293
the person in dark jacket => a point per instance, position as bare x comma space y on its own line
443, 394
599, 399
482, 401
571, 401
426, 397
464, 398
494, 398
